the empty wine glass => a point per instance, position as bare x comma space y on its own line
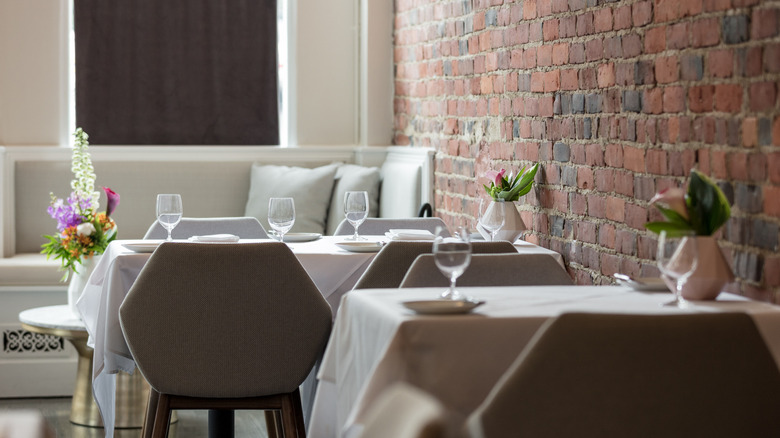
452, 256
677, 257
281, 215
491, 216
356, 210
169, 212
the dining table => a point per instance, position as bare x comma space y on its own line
333, 269
458, 358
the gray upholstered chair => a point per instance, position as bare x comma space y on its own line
598, 375
389, 267
491, 270
403, 411
230, 326
379, 226
243, 227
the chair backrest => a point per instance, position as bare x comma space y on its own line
598, 375
224, 320
243, 227
379, 226
491, 270
389, 267
403, 411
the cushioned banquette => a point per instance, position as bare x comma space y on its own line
212, 181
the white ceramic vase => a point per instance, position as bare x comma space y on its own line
514, 226
78, 280
711, 274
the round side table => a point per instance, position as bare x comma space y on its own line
132, 390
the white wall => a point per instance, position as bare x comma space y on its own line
331, 84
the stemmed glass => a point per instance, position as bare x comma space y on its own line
452, 256
356, 210
169, 212
281, 215
491, 216
677, 257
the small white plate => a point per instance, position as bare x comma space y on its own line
360, 246
442, 307
143, 246
646, 284
301, 237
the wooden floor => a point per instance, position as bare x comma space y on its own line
191, 424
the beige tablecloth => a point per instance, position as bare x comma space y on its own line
459, 358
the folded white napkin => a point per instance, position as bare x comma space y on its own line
215, 238
405, 234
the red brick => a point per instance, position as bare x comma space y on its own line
584, 24
624, 183
716, 5
636, 216
550, 29
764, 23
529, 9
720, 63
594, 49
728, 97
772, 200
700, 98
537, 81
616, 209
585, 178
773, 166
655, 161
597, 206
569, 79
602, 20
552, 80
677, 36
543, 7
613, 156
750, 132
544, 56
622, 17
772, 270
655, 40
652, 101
606, 75
705, 32
667, 69
737, 165
666, 10
753, 65
559, 6
632, 45
634, 158
772, 58
762, 96
560, 54
604, 180
674, 99
642, 13
718, 164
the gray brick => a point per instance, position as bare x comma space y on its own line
587, 128
738, 230
764, 131
631, 101
735, 29
644, 73
631, 130
569, 176
748, 265
764, 234
644, 188
524, 82
491, 17
577, 103
691, 67
447, 67
593, 103
565, 103
466, 4
515, 128
557, 104
556, 224
735, 138
463, 47
470, 126
748, 198
727, 190
561, 152
469, 24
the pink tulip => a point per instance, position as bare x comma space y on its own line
500, 177
113, 200
674, 198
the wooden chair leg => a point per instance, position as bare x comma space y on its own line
151, 408
289, 425
273, 423
298, 409
162, 417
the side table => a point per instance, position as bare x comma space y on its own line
132, 389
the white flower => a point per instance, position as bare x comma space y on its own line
85, 229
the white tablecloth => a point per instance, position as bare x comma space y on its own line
458, 359
333, 270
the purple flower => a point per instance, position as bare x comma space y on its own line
113, 200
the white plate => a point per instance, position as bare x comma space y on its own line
646, 284
142, 246
442, 307
301, 237
360, 246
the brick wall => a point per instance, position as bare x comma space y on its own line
617, 100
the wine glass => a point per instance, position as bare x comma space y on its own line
281, 215
491, 216
677, 257
169, 212
452, 256
356, 210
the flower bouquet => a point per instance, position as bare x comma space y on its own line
82, 230
701, 210
504, 190
510, 188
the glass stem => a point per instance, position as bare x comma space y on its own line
355, 237
169, 236
452, 287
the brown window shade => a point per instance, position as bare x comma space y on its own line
177, 72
